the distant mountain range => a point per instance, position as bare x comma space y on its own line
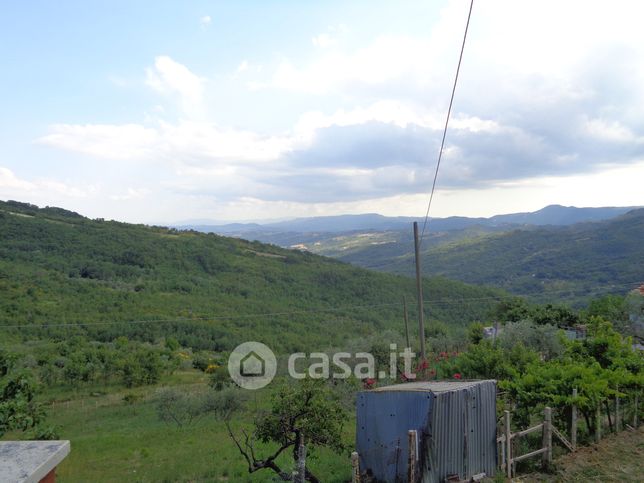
550, 215
557, 252
570, 262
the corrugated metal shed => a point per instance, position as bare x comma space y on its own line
456, 424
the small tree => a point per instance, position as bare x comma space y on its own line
475, 332
175, 405
18, 408
309, 409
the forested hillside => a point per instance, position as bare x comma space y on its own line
555, 263
558, 253
63, 274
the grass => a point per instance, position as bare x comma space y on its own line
618, 457
115, 442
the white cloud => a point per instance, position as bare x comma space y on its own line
68, 191
323, 41
200, 143
387, 59
131, 194
242, 67
245, 68
10, 182
205, 21
106, 141
42, 188
184, 142
516, 52
610, 131
203, 143
538, 95
170, 77
387, 147
397, 113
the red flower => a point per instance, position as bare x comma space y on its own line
369, 383
457, 376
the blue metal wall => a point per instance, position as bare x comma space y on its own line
456, 424
383, 419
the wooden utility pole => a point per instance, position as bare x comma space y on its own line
419, 290
406, 321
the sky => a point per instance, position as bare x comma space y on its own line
161, 112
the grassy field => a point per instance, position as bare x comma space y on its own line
618, 457
116, 442
113, 441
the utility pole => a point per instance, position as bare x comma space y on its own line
419, 290
406, 321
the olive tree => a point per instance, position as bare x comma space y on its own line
308, 409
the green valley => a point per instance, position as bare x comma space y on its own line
548, 263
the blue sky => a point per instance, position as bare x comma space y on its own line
165, 111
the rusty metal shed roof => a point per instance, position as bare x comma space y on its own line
431, 386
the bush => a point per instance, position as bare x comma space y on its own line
175, 405
545, 339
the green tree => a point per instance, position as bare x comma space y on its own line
486, 361
175, 405
307, 409
475, 332
18, 408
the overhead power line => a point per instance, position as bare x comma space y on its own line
449, 111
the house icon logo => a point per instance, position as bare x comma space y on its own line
252, 365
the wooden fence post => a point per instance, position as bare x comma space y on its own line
573, 420
635, 414
412, 438
617, 417
355, 468
598, 423
501, 452
547, 436
508, 444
